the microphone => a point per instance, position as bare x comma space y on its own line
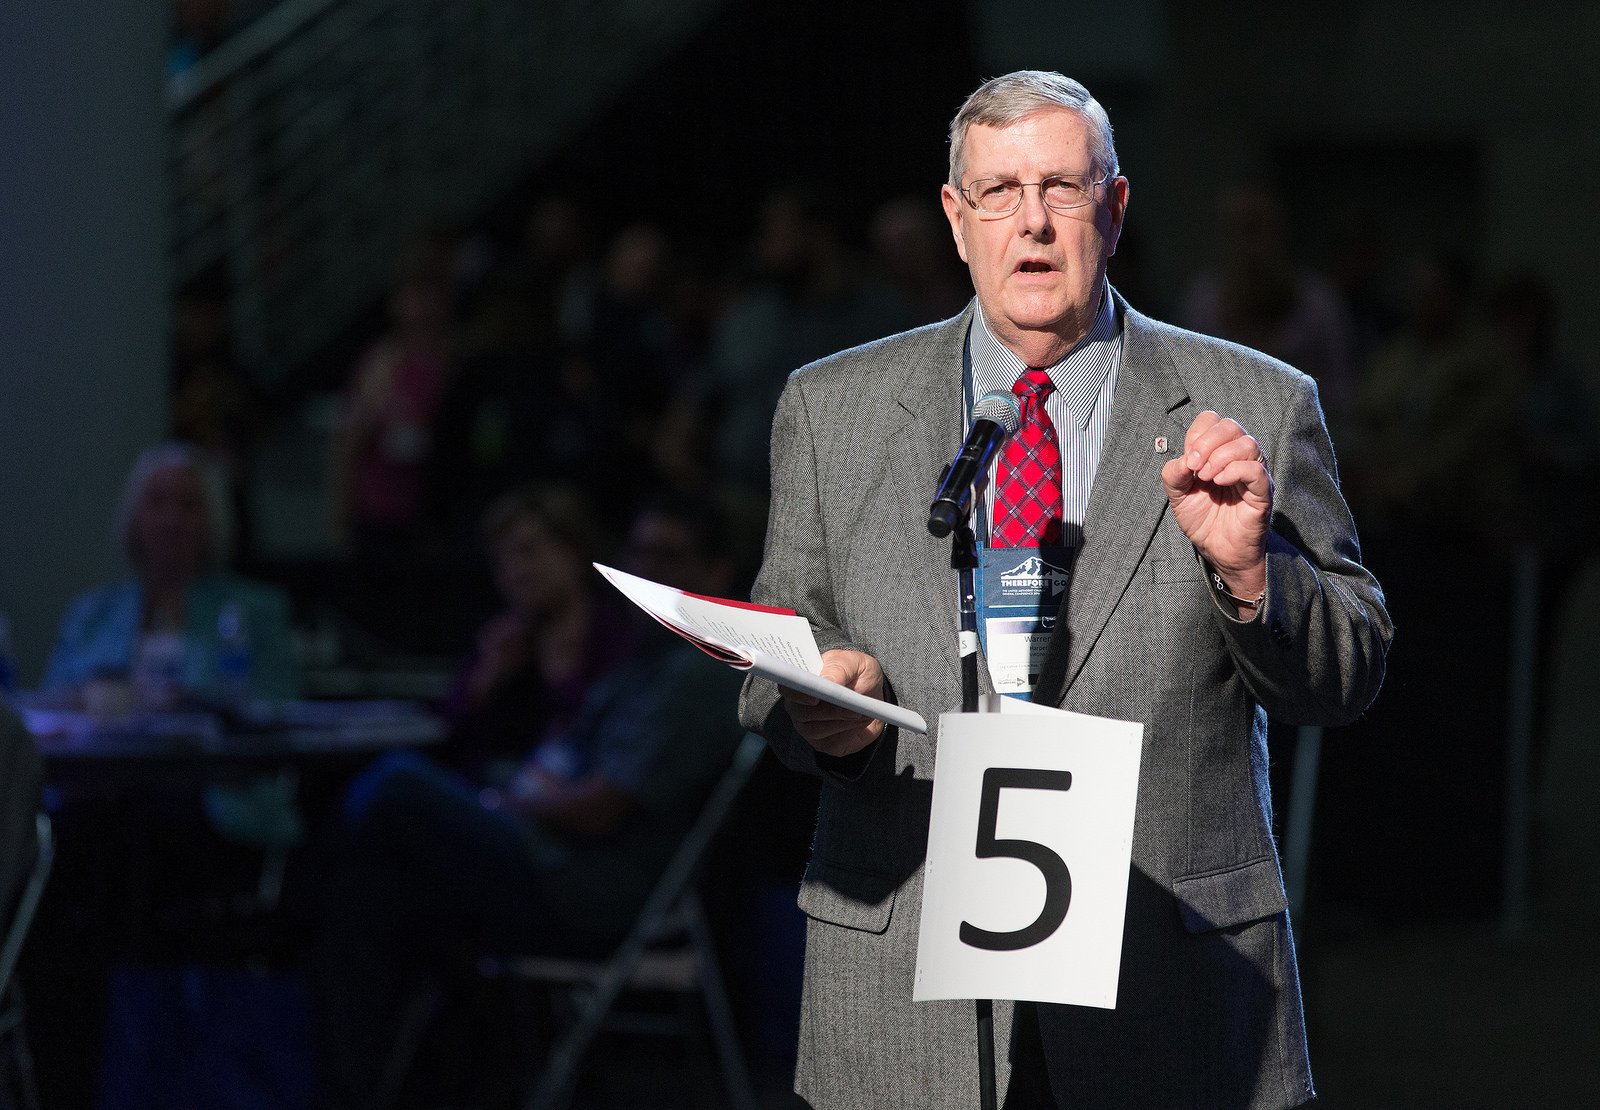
994, 417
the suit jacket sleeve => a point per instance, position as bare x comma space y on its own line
795, 569
1315, 651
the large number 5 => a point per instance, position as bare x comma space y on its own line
1057, 879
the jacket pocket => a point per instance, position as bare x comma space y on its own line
1176, 568
1231, 896
847, 896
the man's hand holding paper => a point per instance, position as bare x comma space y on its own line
831, 729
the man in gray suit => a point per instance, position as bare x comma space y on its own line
1214, 579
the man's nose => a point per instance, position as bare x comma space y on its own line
1034, 216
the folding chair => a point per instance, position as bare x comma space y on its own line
17, 1066
669, 948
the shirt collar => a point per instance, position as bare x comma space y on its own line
1077, 377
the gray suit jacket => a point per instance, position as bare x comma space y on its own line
1208, 1010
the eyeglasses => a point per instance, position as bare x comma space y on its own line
1000, 196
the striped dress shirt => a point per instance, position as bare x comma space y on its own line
1079, 406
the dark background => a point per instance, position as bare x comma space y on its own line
1462, 129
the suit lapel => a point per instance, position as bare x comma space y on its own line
1126, 502
930, 401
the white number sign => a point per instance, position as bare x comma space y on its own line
1029, 845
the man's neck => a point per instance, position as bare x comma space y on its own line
1047, 346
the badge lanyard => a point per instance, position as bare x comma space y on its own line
1019, 592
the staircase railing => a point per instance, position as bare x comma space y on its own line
309, 146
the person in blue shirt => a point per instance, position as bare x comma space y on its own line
157, 628
154, 640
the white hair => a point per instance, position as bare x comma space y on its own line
166, 456
1002, 101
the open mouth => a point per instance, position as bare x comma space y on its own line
1033, 266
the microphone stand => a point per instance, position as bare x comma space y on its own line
964, 560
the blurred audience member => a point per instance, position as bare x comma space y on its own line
558, 250
676, 435
680, 457
384, 441
500, 417
183, 633
561, 859
1431, 460
631, 332
1553, 443
911, 254
1358, 266
805, 298
1556, 419
694, 304
164, 628
1258, 295
631, 340
535, 662
1429, 400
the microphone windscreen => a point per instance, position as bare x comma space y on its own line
999, 408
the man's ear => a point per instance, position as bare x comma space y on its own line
952, 212
1117, 207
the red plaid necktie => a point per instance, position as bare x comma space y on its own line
1027, 483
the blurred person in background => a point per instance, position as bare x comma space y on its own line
630, 330
1556, 417
182, 631
911, 254
559, 860
631, 339
536, 660
381, 448
162, 628
804, 297
499, 422
1428, 399
1359, 267
1260, 296
557, 249
167, 867
1554, 448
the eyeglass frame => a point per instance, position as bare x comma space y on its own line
1088, 192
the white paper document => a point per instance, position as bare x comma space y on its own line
1029, 847
775, 643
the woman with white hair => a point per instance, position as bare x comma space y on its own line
163, 626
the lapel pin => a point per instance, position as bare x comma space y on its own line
1161, 445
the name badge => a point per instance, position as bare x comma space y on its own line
1019, 596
